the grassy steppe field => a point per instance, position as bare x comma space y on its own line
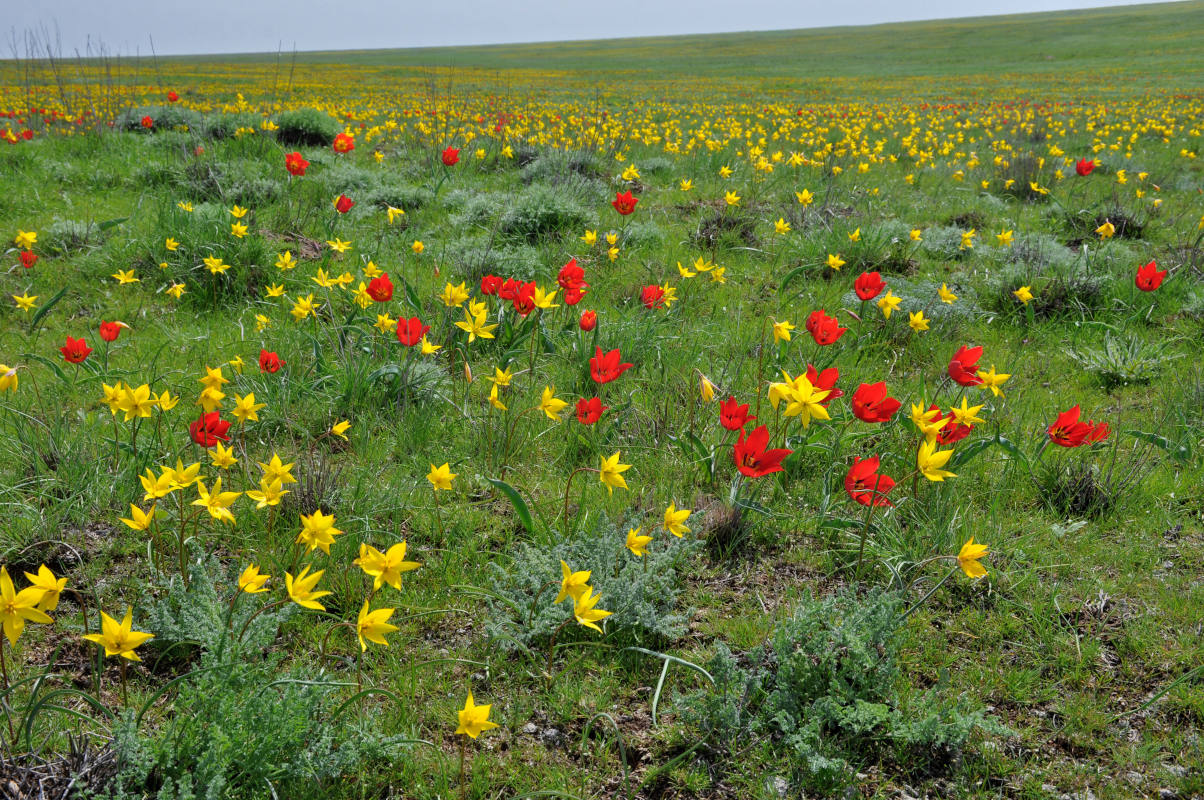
1000, 219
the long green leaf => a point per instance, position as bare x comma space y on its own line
46, 362
1179, 452
45, 308
516, 500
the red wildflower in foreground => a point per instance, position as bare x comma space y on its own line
869, 285
1149, 277
751, 456
872, 404
865, 485
624, 203
490, 284
28, 259
1068, 431
509, 289
172, 97
571, 276
588, 321
524, 298
380, 288
209, 429
296, 164
825, 381
1084, 166
147, 122
109, 331
824, 330
343, 204
953, 431
574, 295
732, 415
344, 143
75, 350
590, 411
410, 331
450, 156
269, 361
964, 364
653, 296
605, 368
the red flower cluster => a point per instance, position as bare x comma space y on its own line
824, 330
590, 411
491, 284
872, 404
380, 288
624, 202
521, 295
451, 156
865, 486
752, 457
269, 361
605, 368
410, 331
572, 280
344, 143
209, 429
1068, 431
75, 350
296, 164
868, 285
953, 431
963, 365
1149, 277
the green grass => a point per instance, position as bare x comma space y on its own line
1082, 640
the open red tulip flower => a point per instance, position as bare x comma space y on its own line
732, 415
868, 285
624, 202
380, 288
491, 284
1084, 166
209, 429
872, 404
172, 97
344, 143
269, 361
572, 276
865, 486
605, 368
109, 331
1149, 277
410, 331
752, 457
824, 330
75, 350
28, 259
653, 296
296, 164
825, 382
590, 411
1069, 431
964, 364
450, 156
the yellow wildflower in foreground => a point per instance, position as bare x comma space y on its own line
1024, 294
636, 543
25, 239
968, 557
441, 477
251, 581
572, 584
139, 520
993, 380
474, 719
119, 638
385, 567
929, 461
318, 531
584, 611
781, 331
550, 404
373, 625
917, 321
49, 584
610, 473
835, 261
8, 378
946, 295
17, 607
675, 520
301, 589
24, 301
216, 502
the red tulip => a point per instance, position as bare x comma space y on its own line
410, 331
269, 361
380, 288
825, 381
868, 285
953, 431
571, 276
652, 296
751, 456
1149, 277
588, 321
343, 204
450, 156
1084, 166
490, 284
963, 364
110, 330
1099, 432
28, 259
344, 143
209, 429
147, 122
172, 97
590, 411
864, 485
296, 164
605, 368
871, 403
574, 295
75, 350
824, 330
732, 415
509, 289
624, 203
1068, 431
524, 298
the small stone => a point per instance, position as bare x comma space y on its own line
1135, 778
550, 736
777, 785
530, 729
1167, 794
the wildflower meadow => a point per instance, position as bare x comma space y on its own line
607, 419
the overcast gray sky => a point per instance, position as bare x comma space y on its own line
236, 26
